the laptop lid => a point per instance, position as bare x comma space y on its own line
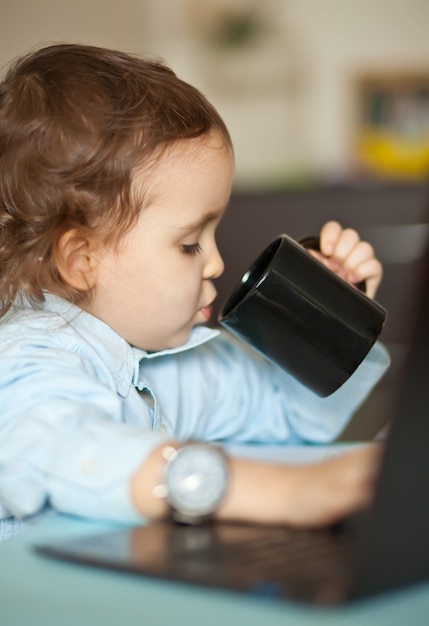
395, 544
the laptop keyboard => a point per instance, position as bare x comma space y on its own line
263, 561
273, 561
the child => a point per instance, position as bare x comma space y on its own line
114, 175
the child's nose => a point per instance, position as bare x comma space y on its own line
215, 265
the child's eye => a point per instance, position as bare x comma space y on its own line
193, 248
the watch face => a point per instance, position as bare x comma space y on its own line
197, 479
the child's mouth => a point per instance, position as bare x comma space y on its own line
207, 312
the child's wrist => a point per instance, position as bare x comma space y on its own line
146, 479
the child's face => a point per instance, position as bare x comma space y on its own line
158, 284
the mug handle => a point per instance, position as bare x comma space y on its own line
313, 242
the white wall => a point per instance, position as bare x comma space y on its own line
320, 47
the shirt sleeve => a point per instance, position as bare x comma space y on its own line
62, 441
247, 399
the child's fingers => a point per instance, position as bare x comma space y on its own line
352, 263
329, 236
337, 243
370, 271
346, 244
349, 257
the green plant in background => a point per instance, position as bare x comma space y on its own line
233, 31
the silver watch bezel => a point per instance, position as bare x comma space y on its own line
181, 499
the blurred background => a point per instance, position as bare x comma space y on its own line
327, 102
309, 88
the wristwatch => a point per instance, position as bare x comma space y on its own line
195, 481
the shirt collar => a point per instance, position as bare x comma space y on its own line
122, 359
198, 336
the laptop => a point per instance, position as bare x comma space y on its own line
376, 551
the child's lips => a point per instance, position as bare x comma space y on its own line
207, 311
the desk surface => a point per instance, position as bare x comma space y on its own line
36, 591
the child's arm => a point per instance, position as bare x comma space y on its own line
349, 257
310, 495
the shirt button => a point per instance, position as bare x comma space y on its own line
163, 429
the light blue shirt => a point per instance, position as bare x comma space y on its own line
81, 409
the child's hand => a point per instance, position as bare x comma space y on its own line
333, 489
302, 495
349, 257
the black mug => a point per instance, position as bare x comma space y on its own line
302, 316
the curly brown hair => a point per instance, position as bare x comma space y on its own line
75, 122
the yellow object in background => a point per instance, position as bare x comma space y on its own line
393, 132
384, 153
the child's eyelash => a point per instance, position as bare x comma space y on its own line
193, 248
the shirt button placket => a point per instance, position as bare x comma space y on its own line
163, 429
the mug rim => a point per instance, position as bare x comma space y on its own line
235, 300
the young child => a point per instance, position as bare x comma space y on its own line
114, 175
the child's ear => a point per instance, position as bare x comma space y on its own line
76, 259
